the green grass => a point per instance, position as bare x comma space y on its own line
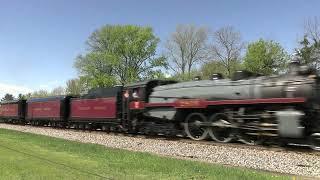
29, 156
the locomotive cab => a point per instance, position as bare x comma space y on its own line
136, 95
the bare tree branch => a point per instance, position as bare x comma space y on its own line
312, 28
226, 47
187, 47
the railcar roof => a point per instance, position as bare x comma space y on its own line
50, 98
10, 102
102, 92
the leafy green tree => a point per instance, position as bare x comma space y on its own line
119, 54
309, 52
157, 74
185, 76
28, 95
209, 68
74, 87
8, 97
265, 57
96, 70
206, 71
22, 97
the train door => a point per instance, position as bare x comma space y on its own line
133, 100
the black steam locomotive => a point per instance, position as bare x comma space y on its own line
248, 107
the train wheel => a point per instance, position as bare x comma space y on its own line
221, 132
193, 128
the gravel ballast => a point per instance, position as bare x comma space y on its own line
304, 164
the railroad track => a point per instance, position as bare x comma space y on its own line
297, 149
294, 148
303, 149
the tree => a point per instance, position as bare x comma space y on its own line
8, 97
28, 96
209, 68
186, 47
39, 94
309, 52
265, 57
312, 28
95, 70
22, 97
58, 91
185, 77
74, 87
119, 54
227, 47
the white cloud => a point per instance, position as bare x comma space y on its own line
13, 89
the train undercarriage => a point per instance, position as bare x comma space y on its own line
255, 125
250, 125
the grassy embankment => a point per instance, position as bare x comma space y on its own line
28, 156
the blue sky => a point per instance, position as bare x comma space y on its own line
39, 39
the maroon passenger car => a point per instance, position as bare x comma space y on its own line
100, 107
12, 111
45, 110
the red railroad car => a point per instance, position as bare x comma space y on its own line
91, 109
101, 105
48, 109
12, 110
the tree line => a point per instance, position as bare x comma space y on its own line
122, 54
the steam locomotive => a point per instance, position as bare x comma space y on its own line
248, 107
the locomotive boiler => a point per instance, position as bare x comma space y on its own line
247, 107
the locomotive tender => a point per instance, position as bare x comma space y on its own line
247, 108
